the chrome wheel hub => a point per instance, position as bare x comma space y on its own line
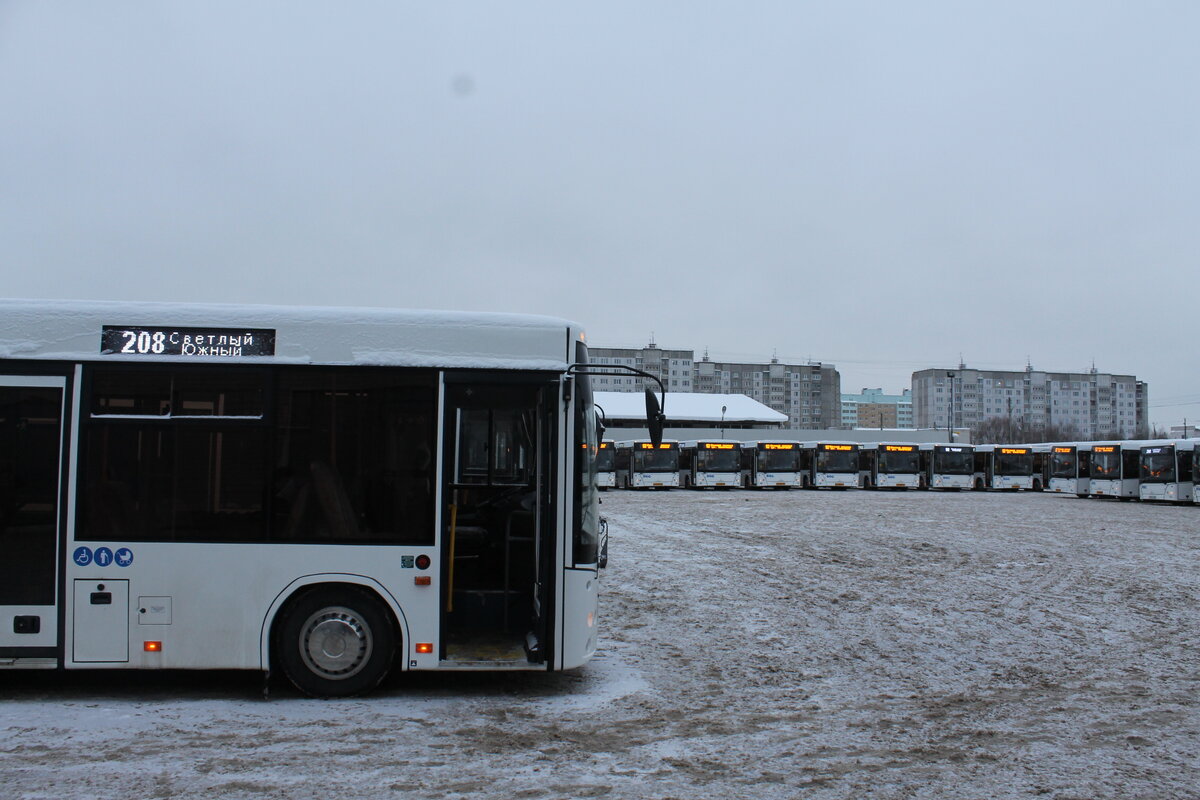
335, 643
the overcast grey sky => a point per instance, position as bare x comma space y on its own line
879, 185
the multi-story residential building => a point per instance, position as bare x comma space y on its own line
871, 408
672, 367
810, 394
1096, 404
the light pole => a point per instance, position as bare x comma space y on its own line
950, 415
723, 421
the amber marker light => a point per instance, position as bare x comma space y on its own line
152, 647
424, 647
422, 580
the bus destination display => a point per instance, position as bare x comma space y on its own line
140, 340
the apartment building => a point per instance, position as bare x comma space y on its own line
1096, 404
871, 408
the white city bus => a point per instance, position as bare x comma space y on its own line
1195, 473
334, 493
642, 464
1070, 468
947, 466
1166, 471
829, 465
889, 465
710, 464
606, 465
1004, 466
771, 465
1115, 468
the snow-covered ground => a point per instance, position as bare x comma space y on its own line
804, 644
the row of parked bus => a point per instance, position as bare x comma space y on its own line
1146, 470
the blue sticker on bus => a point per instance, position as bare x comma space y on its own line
104, 556
82, 556
124, 557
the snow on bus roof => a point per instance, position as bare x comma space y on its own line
689, 407
71, 330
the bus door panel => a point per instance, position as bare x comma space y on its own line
498, 516
31, 446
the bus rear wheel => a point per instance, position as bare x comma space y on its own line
336, 642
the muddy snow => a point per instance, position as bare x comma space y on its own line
803, 644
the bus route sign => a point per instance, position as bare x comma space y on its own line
142, 340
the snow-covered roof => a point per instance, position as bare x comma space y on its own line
71, 330
689, 407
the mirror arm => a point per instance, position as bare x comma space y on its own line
607, 369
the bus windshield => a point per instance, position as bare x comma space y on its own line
1158, 465
1063, 465
660, 460
718, 460
904, 462
837, 461
1106, 464
605, 460
779, 460
587, 509
954, 463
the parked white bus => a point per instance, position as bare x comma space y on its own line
1115, 469
334, 493
642, 464
1195, 474
710, 464
947, 466
1166, 471
1004, 466
889, 465
771, 465
606, 465
1070, 468
829, 465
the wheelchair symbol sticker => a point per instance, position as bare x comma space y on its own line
124, 557
82, 556
104, 556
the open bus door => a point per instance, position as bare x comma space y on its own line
498, 522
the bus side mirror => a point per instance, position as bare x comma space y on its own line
654, 418
601, 418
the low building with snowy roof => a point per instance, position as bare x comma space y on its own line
732, 416
690, 410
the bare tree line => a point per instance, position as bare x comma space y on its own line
999, 430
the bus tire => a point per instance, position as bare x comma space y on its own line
336, 641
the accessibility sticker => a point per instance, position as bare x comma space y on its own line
104, 556
82, 556
124, 557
